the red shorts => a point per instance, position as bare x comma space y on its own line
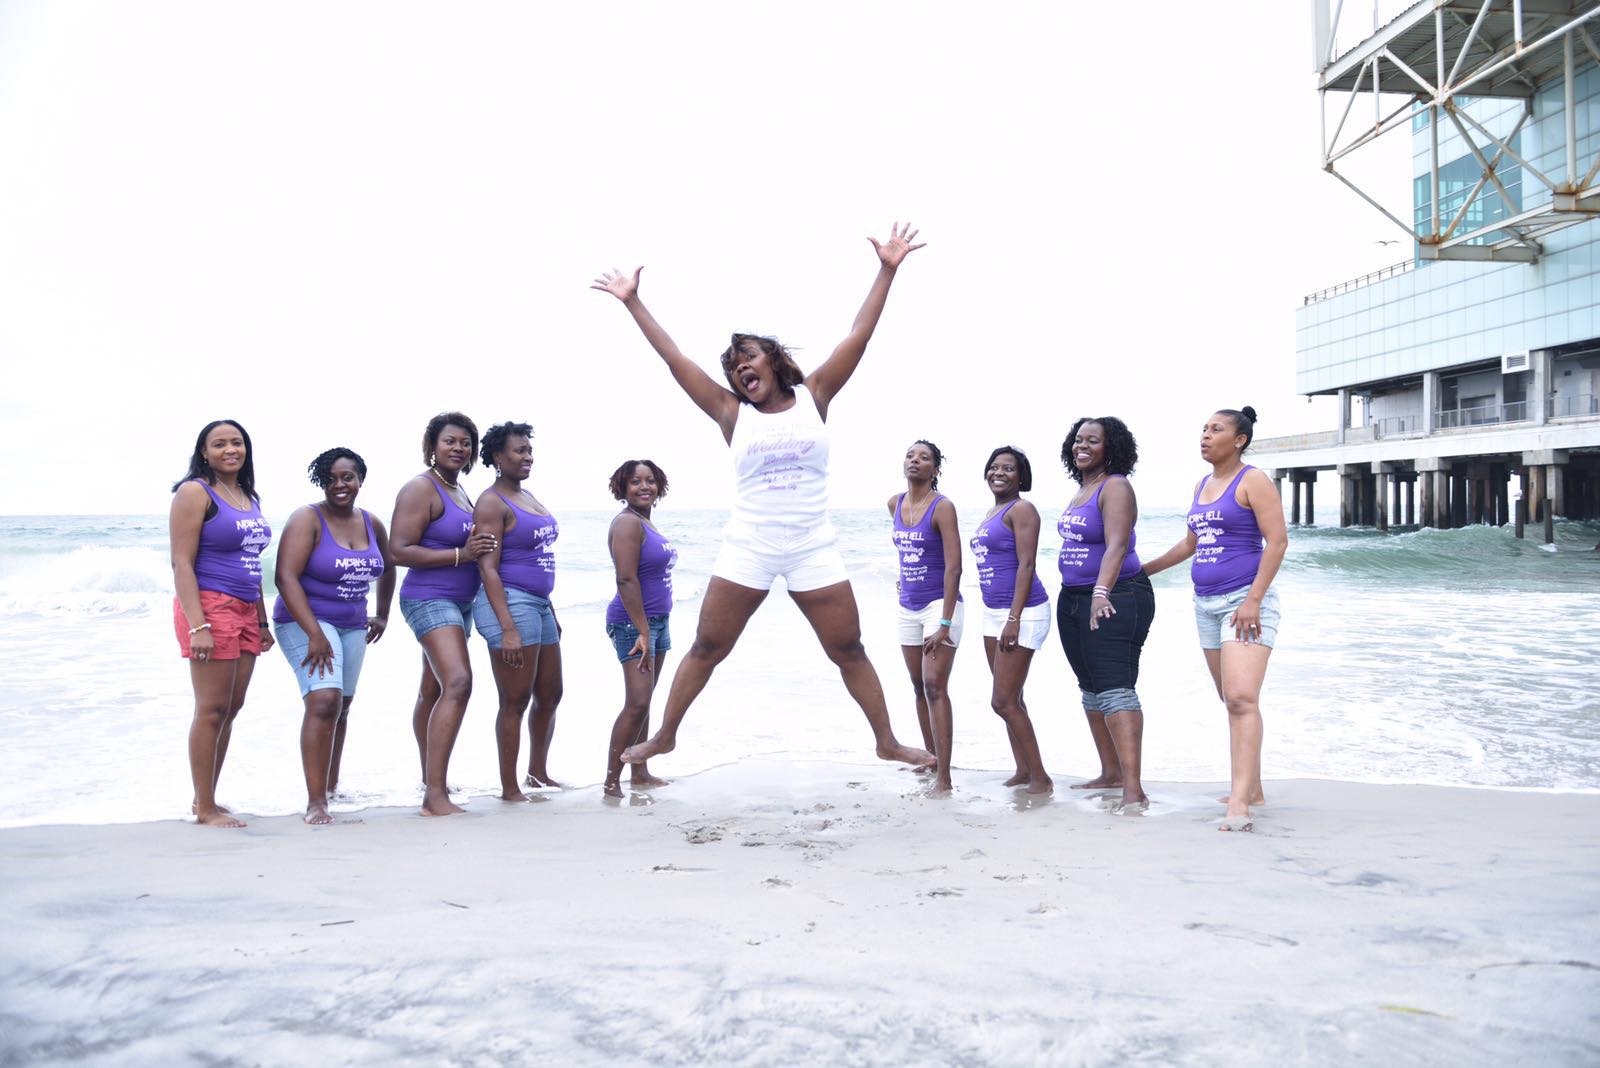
235, 625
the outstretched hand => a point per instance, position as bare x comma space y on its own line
894, 250
620, 285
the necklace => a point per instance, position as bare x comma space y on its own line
643, 516
1084, 493
916, 508
452, 488
245, 507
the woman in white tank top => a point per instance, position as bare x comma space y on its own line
773, 417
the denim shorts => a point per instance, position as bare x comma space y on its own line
1214, 617
1106, 659
349, 650
423, 616
623, 635
535, 620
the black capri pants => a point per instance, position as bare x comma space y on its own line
1106, 659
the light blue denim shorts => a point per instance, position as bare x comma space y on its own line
349, 651
624, 634
1214, 618
423, 616
534, 618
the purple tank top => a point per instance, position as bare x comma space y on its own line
656, 559
527, 561
1083, 544
229, 557
921, 557
452, 582
336, 579
994, 545
1227, 542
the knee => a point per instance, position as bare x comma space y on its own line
923, 690
1241, 706
711, 651
324, 704
933, 691
551, 696
1003, 706
512, 702
456, 686
847, 652
214, 716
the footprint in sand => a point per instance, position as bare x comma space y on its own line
942, 891
1223, 930
776, 883
702, 835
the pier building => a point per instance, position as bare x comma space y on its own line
1476, 362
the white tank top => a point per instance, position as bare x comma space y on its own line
780, 467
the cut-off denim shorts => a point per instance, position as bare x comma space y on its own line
1214, 618
423, 616
624, 634
349, 652
534, 618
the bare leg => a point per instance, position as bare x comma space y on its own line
1214, 665
548, 686
1126, 730
213, 682
427, 696
913, 658
936, 686
638, 683
338, 745
1020, 776
316, 749
1244, 667
639, 774
446, 650
515, 688
1111, 770
726, 609
1010, 673
832, 613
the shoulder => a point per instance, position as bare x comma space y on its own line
192, 490
1255, 481
489, 500
1022, 512
304, 516
417, 487
377, 524
894, 499
1117, 488
944, 508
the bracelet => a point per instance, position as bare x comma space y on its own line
1101, 591
196, 630
1010, 618
944, 623
458, 556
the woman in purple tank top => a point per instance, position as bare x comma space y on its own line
329, 557
1016, 616
513, 610
217, 536
1237, 538
1106, 605
638, 616
928, 540
431, 534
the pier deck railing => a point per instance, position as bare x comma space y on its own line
1568, 407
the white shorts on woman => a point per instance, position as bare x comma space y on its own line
1033, 625
807, 558
918, 624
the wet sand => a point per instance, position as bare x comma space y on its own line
814, 913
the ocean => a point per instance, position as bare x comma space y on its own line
1461, 657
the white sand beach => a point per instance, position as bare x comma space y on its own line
774, 912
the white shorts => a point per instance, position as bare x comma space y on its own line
809, 561
1033, 627
917, 625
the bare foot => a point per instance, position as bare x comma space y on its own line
1101, 781
542, 779
317, 814
640, 777
1041, 786
1019, 779
613, 788
941, 787
1258, 799
906, 754
217, 817
922, 769
1130, 799
439, 804
513, 795
638, 754
1236, 821
194, 808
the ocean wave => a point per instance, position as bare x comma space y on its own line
89, 580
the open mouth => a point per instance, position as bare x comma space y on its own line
750, 382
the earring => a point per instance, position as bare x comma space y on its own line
433, 459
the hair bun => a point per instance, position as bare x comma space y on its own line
1249, 413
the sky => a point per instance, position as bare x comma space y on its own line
329, 221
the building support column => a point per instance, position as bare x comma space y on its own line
1411, 500
1539, 389
1344, 416
1522, 500
1294, 497
1430, 401
1311, 489
1441, 486
1380, 495
1425, 490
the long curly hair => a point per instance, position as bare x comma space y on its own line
1122, 451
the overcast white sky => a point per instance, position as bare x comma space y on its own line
331, 220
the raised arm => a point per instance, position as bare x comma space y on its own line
828, 379
715, 400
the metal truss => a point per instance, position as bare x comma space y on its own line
1434, 54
